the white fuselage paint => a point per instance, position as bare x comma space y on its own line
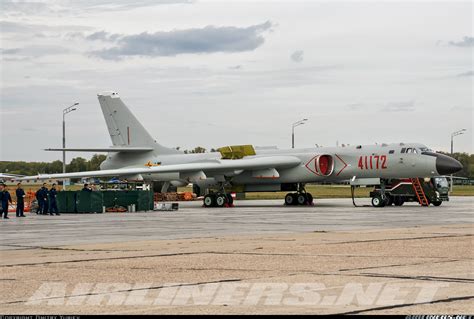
367, 161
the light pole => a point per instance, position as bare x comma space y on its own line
67, 110
460, 132
300, 122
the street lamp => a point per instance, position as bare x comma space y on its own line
300, 122
67, 110
460, 132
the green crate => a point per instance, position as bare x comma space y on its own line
89, 202
126, 198
145, 201
61, 200
110, 198
71, 202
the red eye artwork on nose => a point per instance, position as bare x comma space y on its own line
322, 165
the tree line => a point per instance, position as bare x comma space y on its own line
79, 164
467, 161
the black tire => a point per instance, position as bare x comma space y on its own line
388, 200
209, 200
301, 199
437, 203
310, 198
221, 200
398, 201
377, 201
230, 199
290, 199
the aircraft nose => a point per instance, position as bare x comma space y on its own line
446, 165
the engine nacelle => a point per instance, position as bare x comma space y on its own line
179, 183
322, 165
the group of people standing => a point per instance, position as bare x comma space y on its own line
47, 200
6, 199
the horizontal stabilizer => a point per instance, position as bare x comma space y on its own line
107, 150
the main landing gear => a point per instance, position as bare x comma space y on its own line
218, 200
301, 197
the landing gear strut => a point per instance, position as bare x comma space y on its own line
301, 197
382, 200
218, 199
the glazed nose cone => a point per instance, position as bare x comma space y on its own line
446, 165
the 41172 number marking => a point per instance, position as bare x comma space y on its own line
373, 162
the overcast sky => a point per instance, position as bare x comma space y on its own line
215, 73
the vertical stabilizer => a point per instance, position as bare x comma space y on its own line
124, 128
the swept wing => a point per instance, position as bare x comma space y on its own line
209, 168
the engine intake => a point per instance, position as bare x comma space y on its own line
322, 165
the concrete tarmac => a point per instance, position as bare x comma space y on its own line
247, 217
397, 260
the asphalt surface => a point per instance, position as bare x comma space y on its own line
246, 218
343, 249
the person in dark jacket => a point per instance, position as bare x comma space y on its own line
39, 199
5, 198
53, 205
42, 196
20, 201
86, 188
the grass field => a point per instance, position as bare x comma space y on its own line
318, 191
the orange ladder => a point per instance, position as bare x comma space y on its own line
420, 193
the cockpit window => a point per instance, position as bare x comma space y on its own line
412, 150
403, 150
425, 149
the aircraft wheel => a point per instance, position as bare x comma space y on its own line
221, 200
310, 198
230, 199
388, 201
209, 200
290, 199
377, 201
301, 199
398, 201
436, 203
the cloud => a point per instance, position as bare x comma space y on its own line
402, 106
467, 42
21, 8
34, 51
465, 74
464, 109
355, 106
209, 39
126, 4
102, 36
34, 29
297, 56
10, 51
